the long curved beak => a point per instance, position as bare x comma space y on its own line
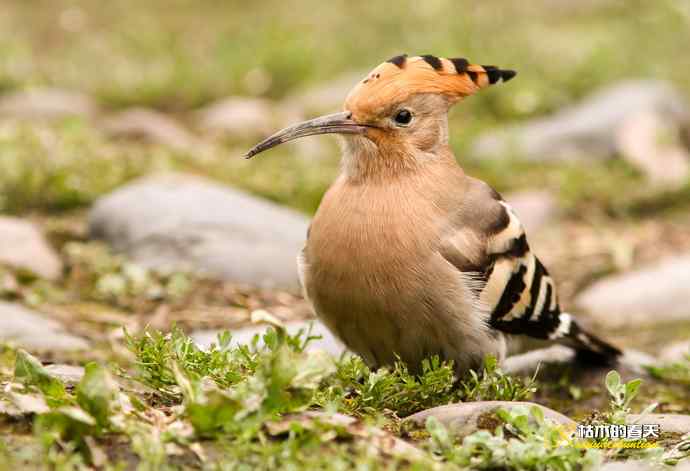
339, 123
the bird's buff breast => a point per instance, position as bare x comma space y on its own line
364, 247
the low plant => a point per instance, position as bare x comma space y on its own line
524, 440
274, 403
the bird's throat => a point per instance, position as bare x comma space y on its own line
364, 161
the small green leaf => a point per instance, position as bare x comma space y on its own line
521, 422
490, 364
613, 382
188, 390
76, 414
29, 371
217, 411
438, 432
98, 393
67, 423
538, 414
504, 414
224, 339
631, 390
575, 392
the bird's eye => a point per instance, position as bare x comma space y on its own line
403, 118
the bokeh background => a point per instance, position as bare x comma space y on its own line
95, 94
178, 57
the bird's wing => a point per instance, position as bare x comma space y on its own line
488, 244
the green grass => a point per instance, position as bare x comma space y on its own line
515, 444
271, 406
179, 54
351, 385
59, 167
245, 401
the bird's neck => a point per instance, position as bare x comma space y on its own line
364, 162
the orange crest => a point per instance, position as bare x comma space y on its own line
401, 77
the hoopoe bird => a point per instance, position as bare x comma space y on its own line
407, 256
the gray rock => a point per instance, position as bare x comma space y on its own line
635, 361
587, 129
68, 374
46, 104
648, 296
465, 418
528, 362
632, 361
652, 143
181, 222
535, 208
149, 125
23, 246
676, 351
28, 329
670, 423
328, 342
239, 117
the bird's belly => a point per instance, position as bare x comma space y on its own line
384, 307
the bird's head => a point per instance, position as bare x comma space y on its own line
399, 109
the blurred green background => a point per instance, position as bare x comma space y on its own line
179, 55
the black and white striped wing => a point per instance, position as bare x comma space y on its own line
519, 293
515, 287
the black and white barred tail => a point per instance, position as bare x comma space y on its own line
589, 347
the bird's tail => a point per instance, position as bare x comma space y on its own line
589, 348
